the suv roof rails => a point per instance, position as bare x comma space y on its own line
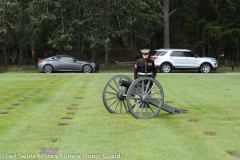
172, 49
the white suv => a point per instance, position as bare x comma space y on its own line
177, 59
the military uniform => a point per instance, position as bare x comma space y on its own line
145, 67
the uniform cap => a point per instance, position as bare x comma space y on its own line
145, 51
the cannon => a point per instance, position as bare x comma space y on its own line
143, 98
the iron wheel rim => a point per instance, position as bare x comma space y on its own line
142, 101
113, 95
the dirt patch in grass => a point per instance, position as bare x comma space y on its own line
210, 133
67, 118
78, 98
10, 108
72, 108
3, 96
192, 120
16, 104
82, 92
234, 154
4, 112
70, 113
54, 140
22, 100
63, 124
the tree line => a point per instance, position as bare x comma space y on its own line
40, 28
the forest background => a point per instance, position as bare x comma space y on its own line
107, 30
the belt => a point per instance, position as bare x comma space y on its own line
144, 73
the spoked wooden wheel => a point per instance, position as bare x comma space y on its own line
145, 98
114, 96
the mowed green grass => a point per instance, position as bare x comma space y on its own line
65, 112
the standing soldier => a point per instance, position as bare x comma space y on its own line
145, 66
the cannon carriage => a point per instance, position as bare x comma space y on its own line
143, 98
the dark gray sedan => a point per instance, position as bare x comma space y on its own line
66, 63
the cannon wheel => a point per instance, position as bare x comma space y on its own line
114, 96
147, 101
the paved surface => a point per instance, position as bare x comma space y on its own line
128, 73
159, 74
201, 74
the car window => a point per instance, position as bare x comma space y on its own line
194, 54
161, 53
53, 58
177, 54
188, 54
66, 59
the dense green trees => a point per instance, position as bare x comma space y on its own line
91, 28
210, 28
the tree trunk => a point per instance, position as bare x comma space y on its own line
107, 54
203, 46
33, 54
218, 40
94, 55
78, 45
5, 55
27, 58
237, 52
203, 51
21, 57
107, 50
82, 51
166, 23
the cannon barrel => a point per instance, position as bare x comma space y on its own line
124, 83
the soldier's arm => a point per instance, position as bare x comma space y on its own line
135, 70
154, 70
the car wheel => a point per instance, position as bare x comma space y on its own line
87, 69
205, 68
166, 68
48, 69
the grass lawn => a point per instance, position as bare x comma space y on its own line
64, 113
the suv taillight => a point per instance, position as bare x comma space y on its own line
154, 57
